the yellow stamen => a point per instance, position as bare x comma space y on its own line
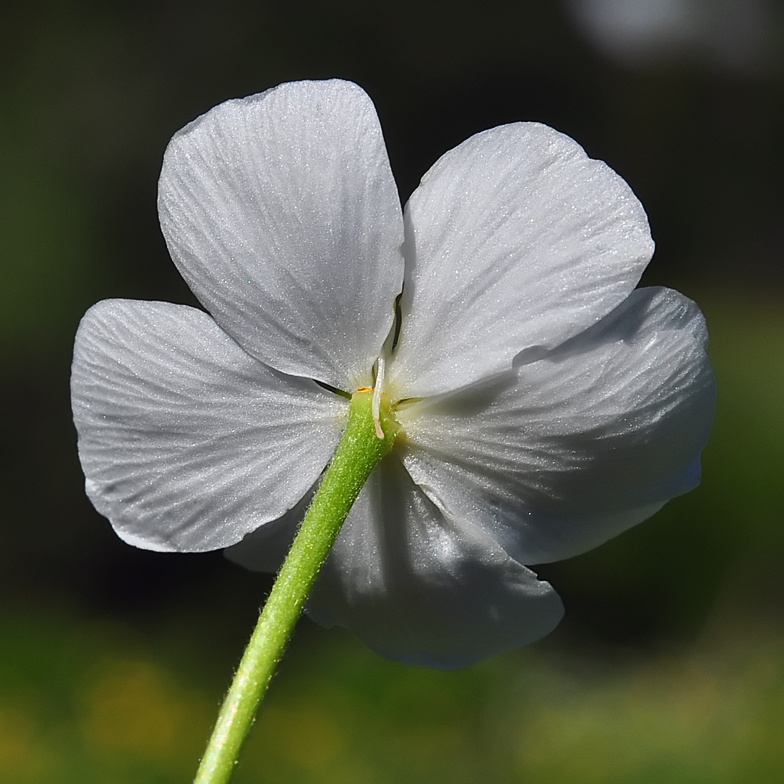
376, 404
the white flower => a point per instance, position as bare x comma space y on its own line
546, 405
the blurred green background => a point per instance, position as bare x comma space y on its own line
669, 665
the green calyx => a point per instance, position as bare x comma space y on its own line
360, 441
359, 452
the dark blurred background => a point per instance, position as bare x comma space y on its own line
669, 665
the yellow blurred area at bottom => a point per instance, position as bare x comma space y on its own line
79, 711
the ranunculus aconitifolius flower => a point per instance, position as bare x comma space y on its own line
545, 404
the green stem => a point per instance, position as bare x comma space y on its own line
359, 452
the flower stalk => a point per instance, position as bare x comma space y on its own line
360, 450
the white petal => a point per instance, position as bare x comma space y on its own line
188, 443
514, 239
568, 451
265, 549
281, 213
425, 588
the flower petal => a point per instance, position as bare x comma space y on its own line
281, 213
265, 549
566, 452
422, 587
514, 239
188, 443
